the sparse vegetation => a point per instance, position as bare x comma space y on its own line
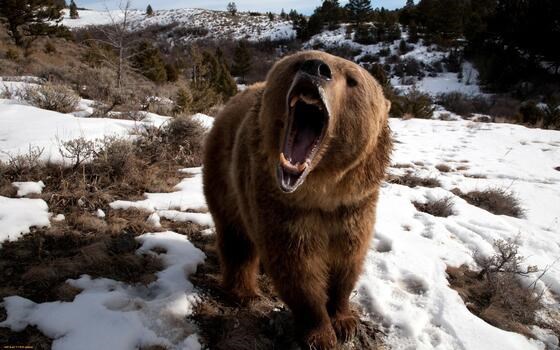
59, 98
411, 180
495, 293
442, 207
498, 201
414, 104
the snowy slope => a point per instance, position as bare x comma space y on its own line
47, 130
403, 286
404, 283
444, 82
218, 23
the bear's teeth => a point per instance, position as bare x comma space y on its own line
298, 167
310, 100
294, 101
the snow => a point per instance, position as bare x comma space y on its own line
404, 282
172, 206
108, 314
204, 119
18, 215
187, 196
444, 82
28, 187
219, 24
46, 130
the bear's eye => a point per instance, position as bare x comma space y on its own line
350, 81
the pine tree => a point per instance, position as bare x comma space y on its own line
359, 10
409, 3
241, 60
73, 10
223, 81
232, 8
149, 11
172, 72
30, 18
293, 15
150, 63
283, 14
331, 13
183, 101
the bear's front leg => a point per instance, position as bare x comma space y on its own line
301, 280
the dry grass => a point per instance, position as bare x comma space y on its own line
442, 207
401, 165
444, 168
495, 293
37, 265
495, 200
411, 180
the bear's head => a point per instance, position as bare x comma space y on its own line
319, 114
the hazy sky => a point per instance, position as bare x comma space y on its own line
243, 5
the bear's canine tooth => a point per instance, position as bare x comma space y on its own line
294, 101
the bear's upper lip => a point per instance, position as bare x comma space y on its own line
308, 117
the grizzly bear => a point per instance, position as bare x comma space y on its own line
292, 169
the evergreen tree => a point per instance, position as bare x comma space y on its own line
183, 101
149, 11
232, 8
172, 72
359, 10
270, 16
241, 60
149, 62
331, 13
30, 18
73, 10
283, 14
223, 81
293, 15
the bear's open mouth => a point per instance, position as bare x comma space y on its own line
307, 124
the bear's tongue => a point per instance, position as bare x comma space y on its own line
303, 143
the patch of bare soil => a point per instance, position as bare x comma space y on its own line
265, 324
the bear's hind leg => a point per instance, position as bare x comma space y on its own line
239, 262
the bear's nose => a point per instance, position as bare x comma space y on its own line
316, 68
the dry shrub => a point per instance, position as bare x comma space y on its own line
498, 201
22, 167
53, 97
462, 104
444, 168
414, 104
411, 180
495, 293
442, 207
179, 141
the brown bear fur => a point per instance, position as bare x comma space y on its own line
311, 242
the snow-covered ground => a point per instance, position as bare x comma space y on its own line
220, 24
403, 286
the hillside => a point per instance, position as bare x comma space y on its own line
189, 22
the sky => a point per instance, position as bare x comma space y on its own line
243, 5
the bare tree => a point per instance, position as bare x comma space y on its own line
117, 36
